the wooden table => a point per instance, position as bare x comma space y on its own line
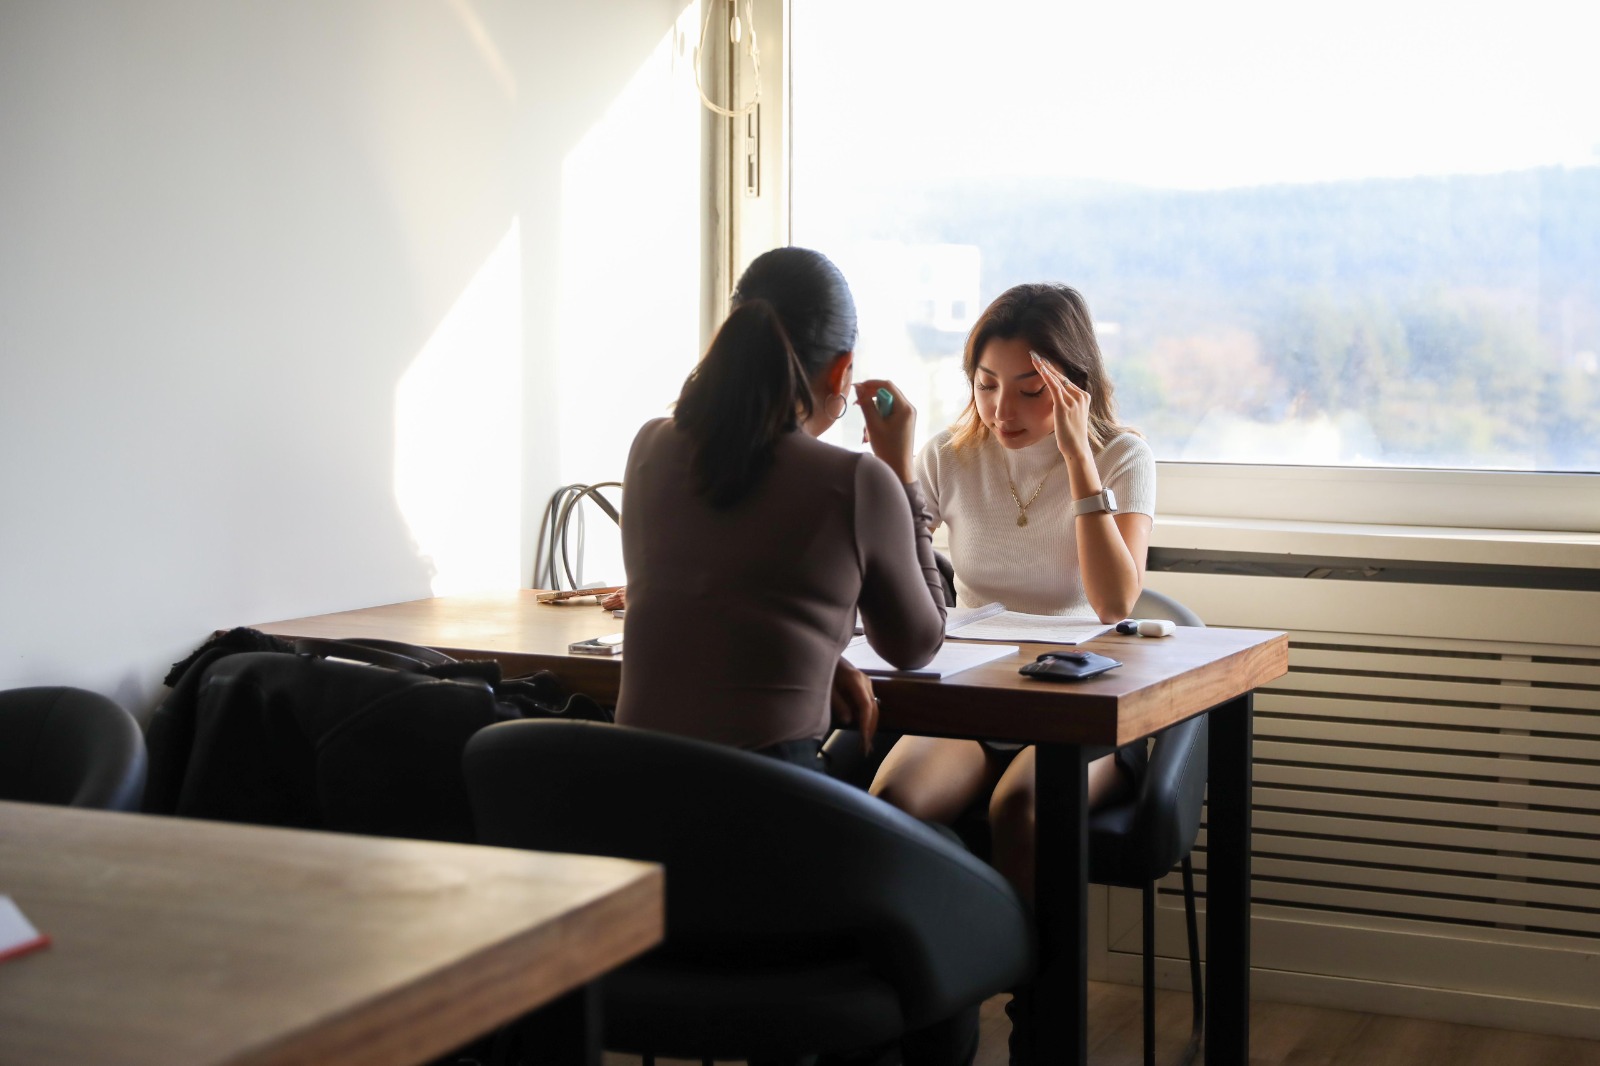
1161, 682
179, 942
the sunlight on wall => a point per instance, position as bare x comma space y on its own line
458, 431
629, 303
628, 312
484, 43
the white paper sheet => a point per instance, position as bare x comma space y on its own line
1031, 628
952, 659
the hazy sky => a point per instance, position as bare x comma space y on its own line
1189, 95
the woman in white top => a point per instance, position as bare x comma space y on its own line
1049, 504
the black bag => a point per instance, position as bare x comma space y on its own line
539, 695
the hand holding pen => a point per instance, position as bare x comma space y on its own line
891, 424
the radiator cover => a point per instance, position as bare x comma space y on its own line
1427, 801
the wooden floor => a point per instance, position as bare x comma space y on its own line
1282, 1034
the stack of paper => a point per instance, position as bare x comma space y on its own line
957, 617
993, 622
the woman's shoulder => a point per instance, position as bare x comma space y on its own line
655, 441
802, 455
859, 473
1126, 447
650, 434
811, 449
653, 429
940, 453
940, 445
1128, 465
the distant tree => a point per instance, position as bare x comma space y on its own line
1569, 415
1336, 357
1449, 309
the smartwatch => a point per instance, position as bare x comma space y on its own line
1103, 500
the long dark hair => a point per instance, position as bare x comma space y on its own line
1055, 322
792, 316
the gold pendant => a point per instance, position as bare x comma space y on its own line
1022, 519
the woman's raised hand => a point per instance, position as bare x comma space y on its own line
1070, 408
893, 439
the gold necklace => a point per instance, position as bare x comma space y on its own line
1022, 508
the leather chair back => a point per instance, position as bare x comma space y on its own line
1139, 841
767, 864
69, 747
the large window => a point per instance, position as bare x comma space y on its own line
1362, 234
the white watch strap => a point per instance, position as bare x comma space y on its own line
1103, 500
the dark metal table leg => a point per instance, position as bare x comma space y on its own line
1228, 885
1061, 885
564, 1032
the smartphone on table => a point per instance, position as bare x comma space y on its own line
610, 644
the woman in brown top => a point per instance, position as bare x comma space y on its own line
749, 544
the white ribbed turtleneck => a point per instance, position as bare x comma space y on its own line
1031, 568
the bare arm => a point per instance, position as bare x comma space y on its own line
1111, 548
1111, 554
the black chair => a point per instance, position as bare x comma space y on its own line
1135, 843
69, 747
803, 916
1132, 844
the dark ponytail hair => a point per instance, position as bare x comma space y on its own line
792, 316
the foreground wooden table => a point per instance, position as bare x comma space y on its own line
1161, 682
179, 942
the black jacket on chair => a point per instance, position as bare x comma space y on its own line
293, 740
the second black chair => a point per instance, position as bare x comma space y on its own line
70, 747
1135, 843
803, 916
1132, 844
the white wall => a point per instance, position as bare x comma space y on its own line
282, 299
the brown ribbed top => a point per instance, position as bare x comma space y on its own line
736, 617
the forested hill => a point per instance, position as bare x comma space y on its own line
1459, 316
1390, 235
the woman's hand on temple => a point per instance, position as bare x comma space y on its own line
1070, 409
893, 439
853, 702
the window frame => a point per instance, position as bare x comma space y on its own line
1384, 496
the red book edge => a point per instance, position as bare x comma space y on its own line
38, 942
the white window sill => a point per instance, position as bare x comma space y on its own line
1435, 544
1482, 504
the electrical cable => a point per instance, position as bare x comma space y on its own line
553, 557
735, 30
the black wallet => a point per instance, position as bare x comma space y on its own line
1068, 666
